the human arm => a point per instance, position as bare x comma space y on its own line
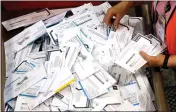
157, 61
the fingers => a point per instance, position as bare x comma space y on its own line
152, 61
108, 16
117, 21
144, 55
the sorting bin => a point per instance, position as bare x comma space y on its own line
9, 12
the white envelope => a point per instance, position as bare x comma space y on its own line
78, 97
82, 9
26, 37
85, 64
87, 19
21, 104
144, 84
100, 10
62, 80
26, 20
130, 58
97, 84
16, 83
55, 32
112, 97
34, 90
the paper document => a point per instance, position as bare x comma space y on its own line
62, 80
87, 19
21, 104
54, 19
97, 84
112, 97
125, 20
71, 60
34, 90
78, 97
129, 92
16, 84
27, 19
144, 84
82, 9
85, 65
100, 10
55, 31
130, 58
26, 37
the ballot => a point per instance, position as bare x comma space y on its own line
130, 58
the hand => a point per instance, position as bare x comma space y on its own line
153, 61
118, 11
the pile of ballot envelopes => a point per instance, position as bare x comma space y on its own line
73, 61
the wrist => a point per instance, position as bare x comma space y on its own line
160, 59
165, 62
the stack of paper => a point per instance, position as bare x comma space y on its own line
74, 61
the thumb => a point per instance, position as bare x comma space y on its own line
144, 55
